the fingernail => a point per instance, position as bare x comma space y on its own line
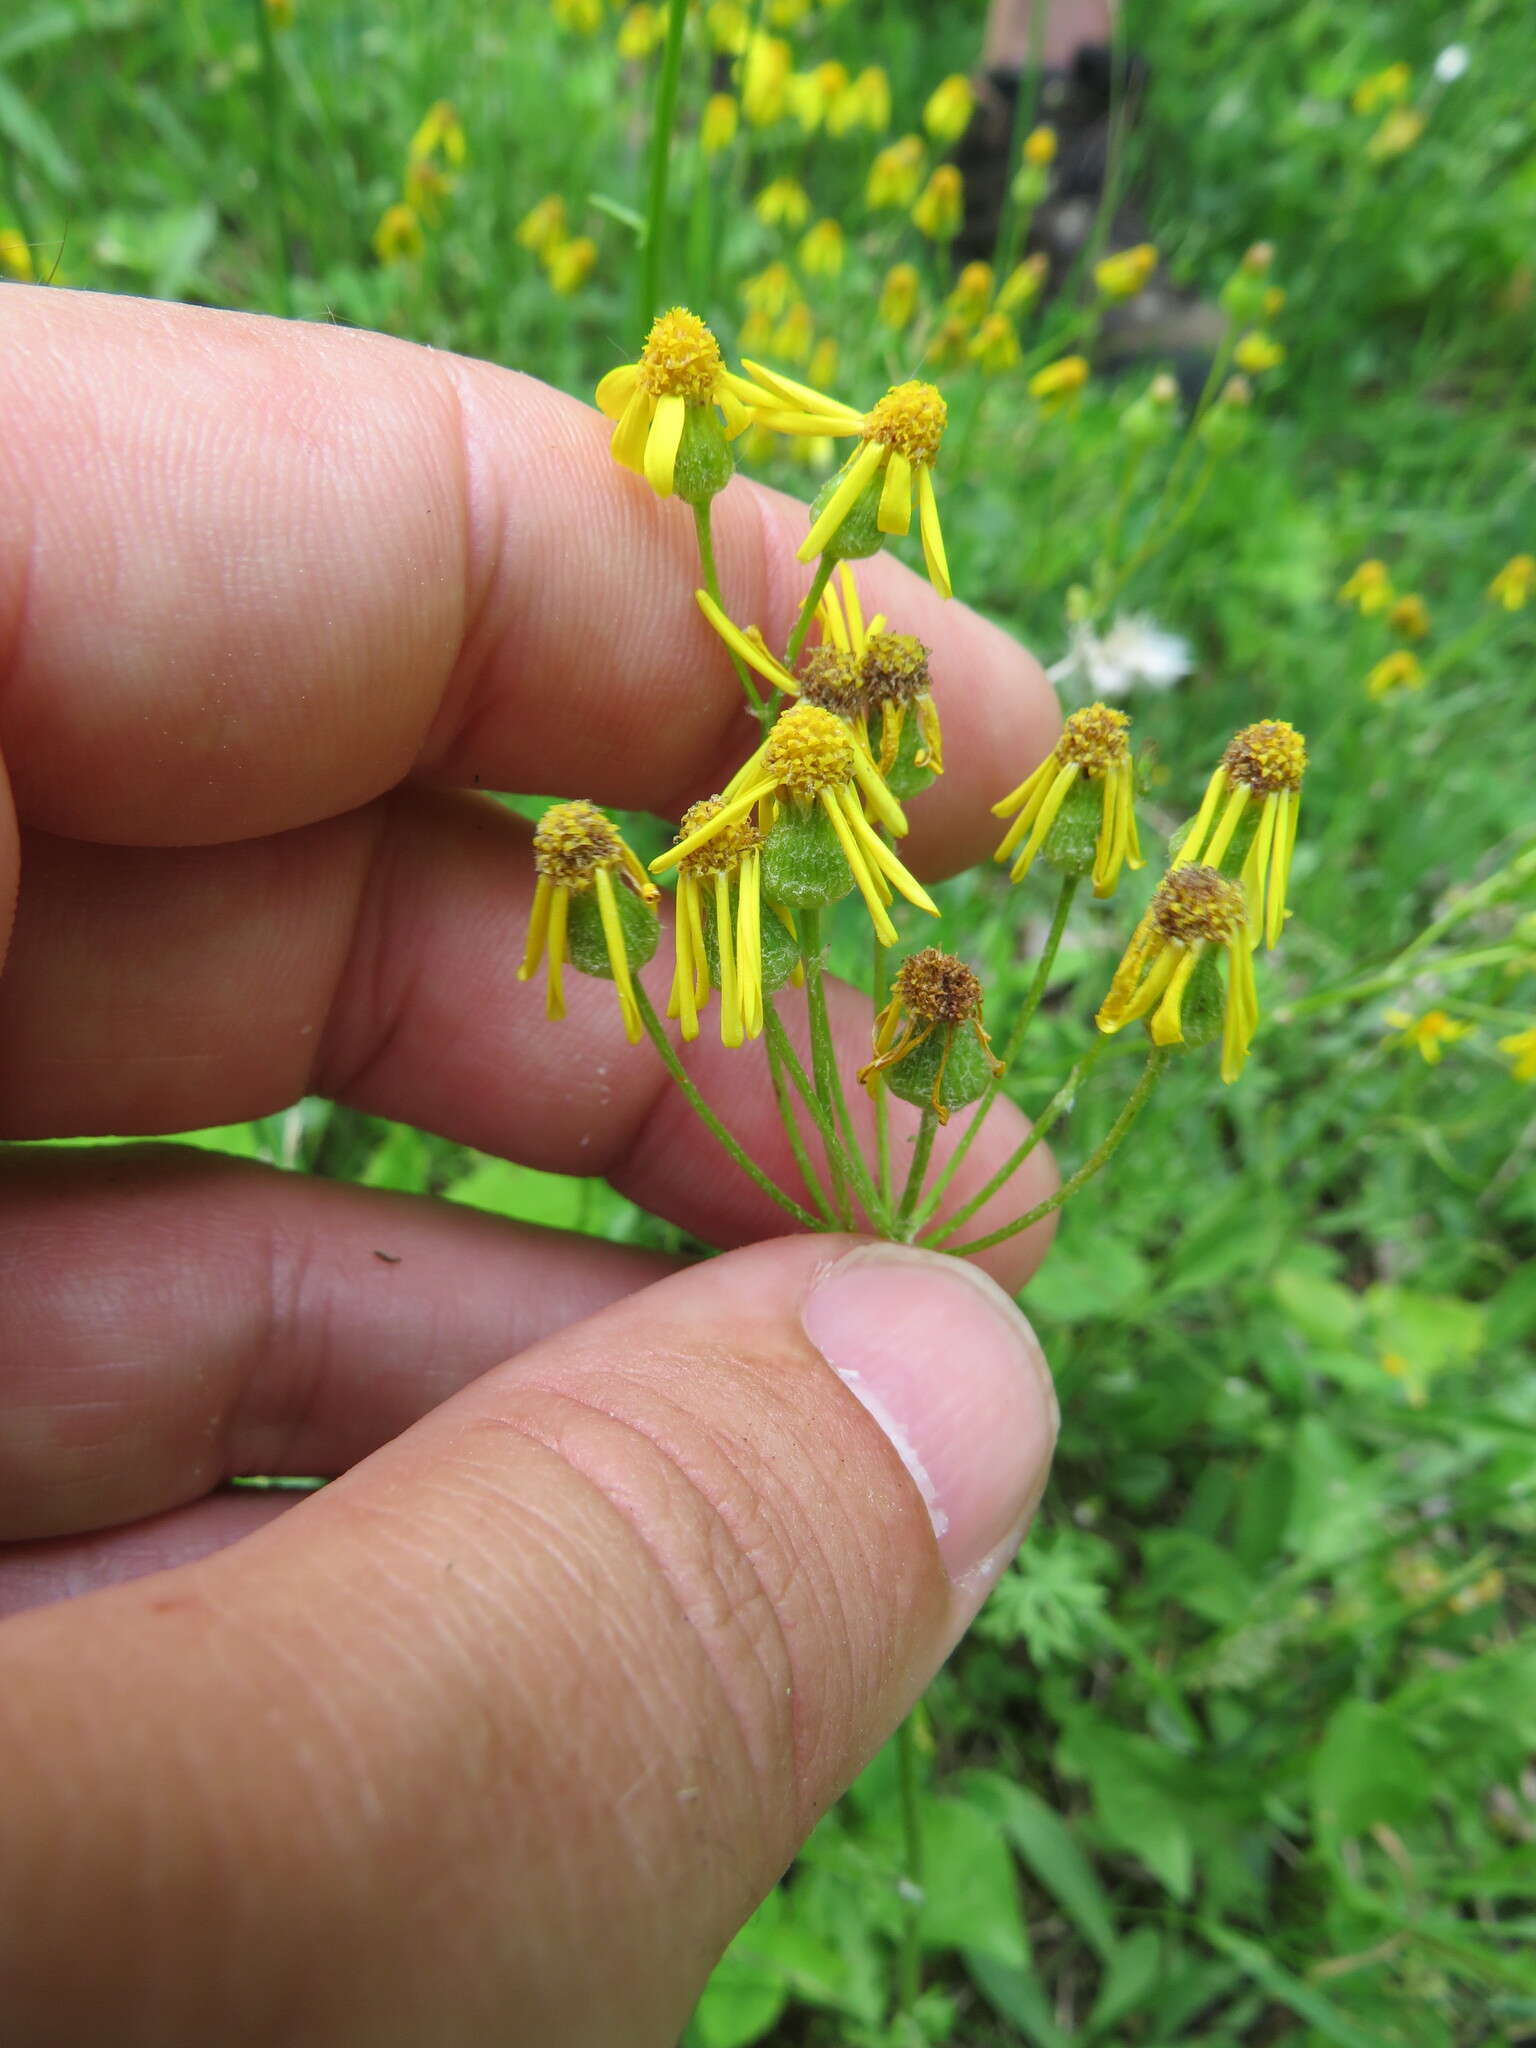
953, 1374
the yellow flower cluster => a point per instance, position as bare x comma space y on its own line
437, 149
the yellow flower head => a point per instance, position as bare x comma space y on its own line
441, 133
1094, 752
426, 186
1520, 1050
1410, 617
770, 291
865, 104
793, 337
641, 31
717, 126
1400, 670
680, 371
932, 993
889, 675
995, 344
940, 205
896, 174
542, 227
823, 364
813, 94
579, 858
811, 759
1257, 787
783, 203
1428, 1035
1515, 583
570, 264
1398, 133
1369, 588
947, 112
581, 17
1258, 352
704, 877
972, 293
1196, 915
398, 238
766, 72
727, 26
898, 297
1126, 272
15, 256
1040, 147
821, 250
1021, 287
1381, 89
1058, 383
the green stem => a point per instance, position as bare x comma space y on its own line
829, 1086
762, 712
881, 983
1157, 1059
649, 288
922, 1152
1037, 1134
1010, 1052
819, 583
910, 1977
271, 107
707, 1117
788, 1118
838, 1156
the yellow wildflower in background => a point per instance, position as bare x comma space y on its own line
994, 347
1258, 352
811, 93
810, 758
717, 125
1263, 766
280, 12
1124, 274
788, 13
1197, 914
569, 264
1059, 383
425, 187
898, 297
900, 437
15, 256
947, 111
1021, 287
770, 291
1515, 583
1095, 746
542, 227
865, 104
783, 203
727, 26
1381, 88
1368, 588
793, 337
896, 174
581, 17
398, 238
1039, 150
940, 205
1428, 1035
821, 251
1400, 670
1409, 616
765, 77
1520, 1050
680, 367
641, 31
577, 849
1399, 133
441, 133
823, 365
972, 292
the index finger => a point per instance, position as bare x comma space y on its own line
253, 574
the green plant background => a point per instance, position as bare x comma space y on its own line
1240, 1752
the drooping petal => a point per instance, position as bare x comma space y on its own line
1205, 817
1280, 866
855, 480
737, 807
784, 420
895, 514
1029, 788
752, 651
1164, 965
682, 1002
1168, 1021
853, 853
554, 999
663, 442
857, 632
538, 928
731, 1032
881, 802
618, 954
1045, 818
884, 860
737, 416
933, 538
837, 418
616, 390
1222, 837
1241, 1016
629, 436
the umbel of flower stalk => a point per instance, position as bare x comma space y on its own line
582, 914
930, 1042
1079, 806
810, 774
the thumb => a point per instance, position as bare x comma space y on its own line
503, 1735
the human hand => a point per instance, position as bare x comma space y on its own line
499, 1737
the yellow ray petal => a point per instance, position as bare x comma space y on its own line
725, 951
879, 798
538, 928
1168, 1022
554, 998
895, 514
933, 538
683, 1003
1222, 837
738, 417
1194, 839
616, 390
1242, 1012
853, 853
662, 443
1045, 818
858, 633
753, 652
858, 475
631, 434
618, 954
840, 418
736, 808
882, 858
1031, 787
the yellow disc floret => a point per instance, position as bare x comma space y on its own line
573, 841
681, 358
1198, 905
1096, 739
809, 750
1266, 758
909, 420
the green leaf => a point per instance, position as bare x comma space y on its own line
1020, 1997
1049, 1850
1135, 1971
1365, 1771
30, 136
1139, 1798
1431, 1331
1303, 1999
1319, 1309
1100, 1279
970, 1888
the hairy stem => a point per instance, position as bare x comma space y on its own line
819, 583
762, 712
917, 1173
